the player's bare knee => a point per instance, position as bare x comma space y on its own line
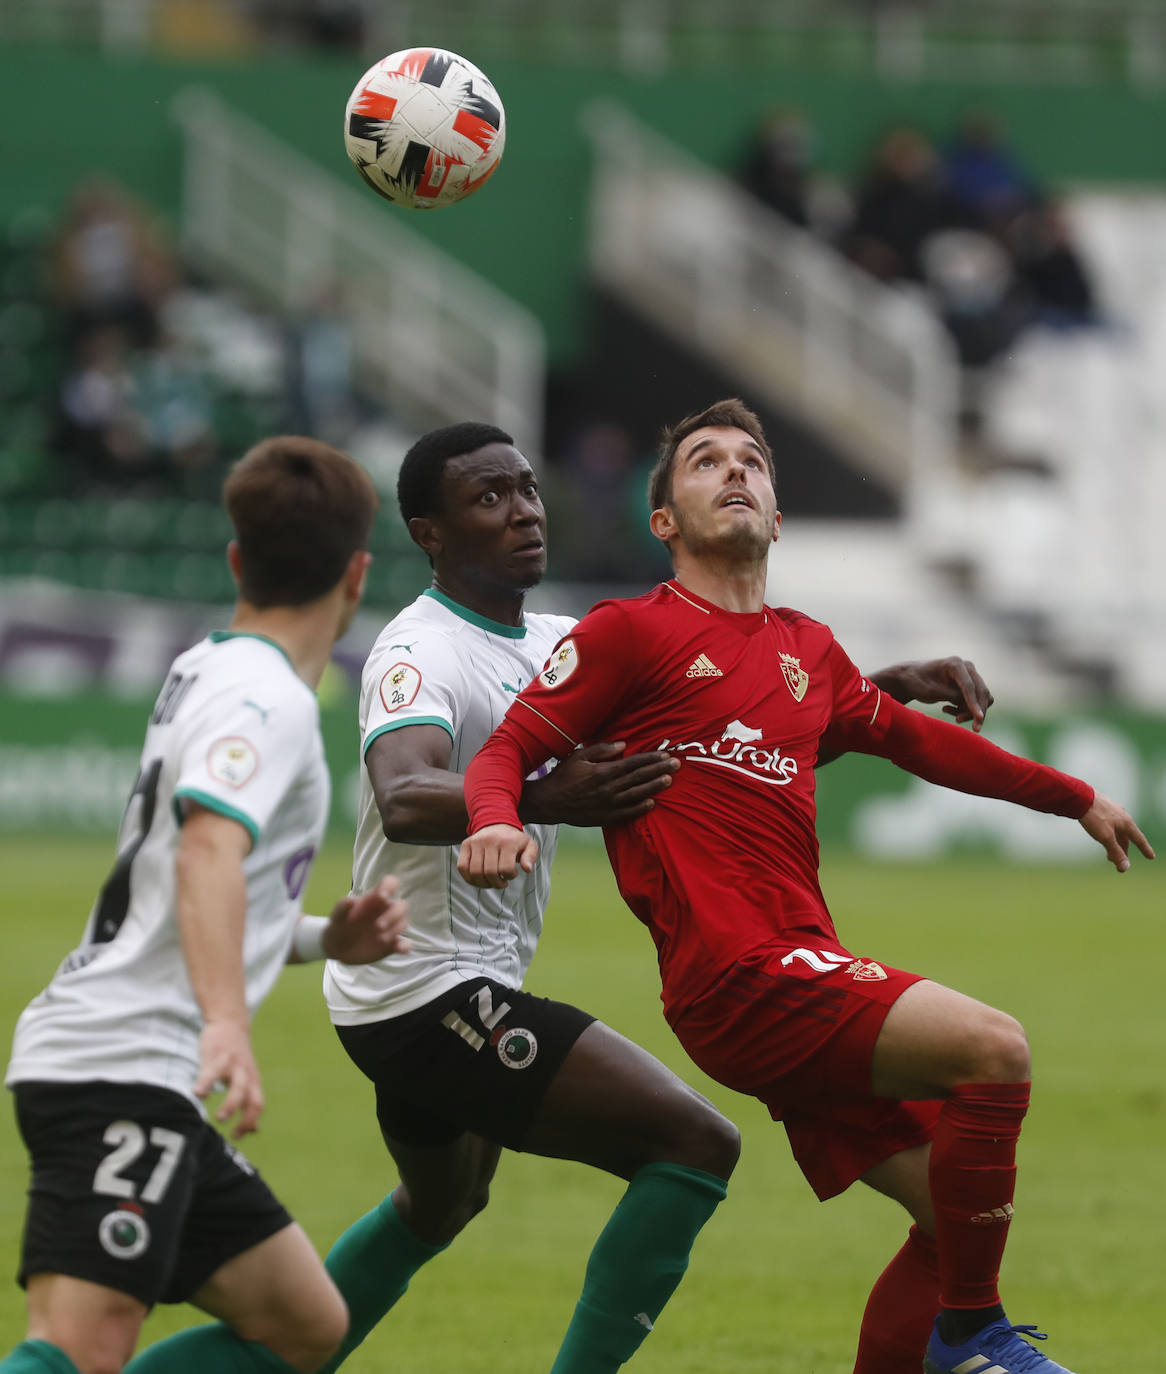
437, 1221
317, 1337
710, 1142
1001, 1053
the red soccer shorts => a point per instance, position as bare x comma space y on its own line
795, 1026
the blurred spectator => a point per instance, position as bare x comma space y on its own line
977, 292
174, 406
322, 368
99, 429
902, 199
337, 24
777, 164
597, 508
109, 264
983, 176
1051, 268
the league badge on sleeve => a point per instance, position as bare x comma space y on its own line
399, 686
796, 677
561, 664
232, 760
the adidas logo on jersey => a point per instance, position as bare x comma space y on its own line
704, 667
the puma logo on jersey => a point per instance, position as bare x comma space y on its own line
704, 667
264, 712
407, 647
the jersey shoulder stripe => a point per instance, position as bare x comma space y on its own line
795, 619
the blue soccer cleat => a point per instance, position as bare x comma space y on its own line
995, 1349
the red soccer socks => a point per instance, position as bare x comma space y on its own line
900, 1310
972, 1178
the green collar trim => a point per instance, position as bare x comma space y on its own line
463, 613
217, 637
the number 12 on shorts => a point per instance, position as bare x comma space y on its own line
129, 1141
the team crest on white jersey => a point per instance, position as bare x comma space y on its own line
796, 677
561, 664
399, 686
232, 760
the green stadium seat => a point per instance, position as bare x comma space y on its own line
57, 524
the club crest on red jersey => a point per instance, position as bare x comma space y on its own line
866, 971
796, 677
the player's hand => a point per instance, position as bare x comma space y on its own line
363, 929
1113, 828
953, 680
226, 1062
493, 855
598, 785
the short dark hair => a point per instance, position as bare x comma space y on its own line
300, 510
422, 468
728, 414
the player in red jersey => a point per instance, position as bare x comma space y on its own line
878, 1074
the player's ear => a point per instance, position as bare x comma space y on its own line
356, 575
425, 534
662, 525
234, 562
776, 526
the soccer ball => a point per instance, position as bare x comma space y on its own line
424, 128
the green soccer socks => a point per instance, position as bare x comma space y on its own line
372, 1264
213, 1349
37, 1357
638, 1260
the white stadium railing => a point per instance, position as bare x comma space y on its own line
867, 364
436, 341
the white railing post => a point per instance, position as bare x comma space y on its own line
865, 362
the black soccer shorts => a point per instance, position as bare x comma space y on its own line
133, 1190
479, 1058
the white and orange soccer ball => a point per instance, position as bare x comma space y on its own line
424, 128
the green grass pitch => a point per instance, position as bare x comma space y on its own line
777, 1281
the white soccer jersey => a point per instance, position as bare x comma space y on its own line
440, 664
236, 730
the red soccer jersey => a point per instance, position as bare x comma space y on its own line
728, 858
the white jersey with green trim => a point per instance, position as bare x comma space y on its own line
235, 730
438, 663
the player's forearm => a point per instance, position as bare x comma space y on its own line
211, 908
494, 779
944, 754
427, 807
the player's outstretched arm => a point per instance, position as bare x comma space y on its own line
1114, 830
421, 802
211, 907
490, 857
953, 680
